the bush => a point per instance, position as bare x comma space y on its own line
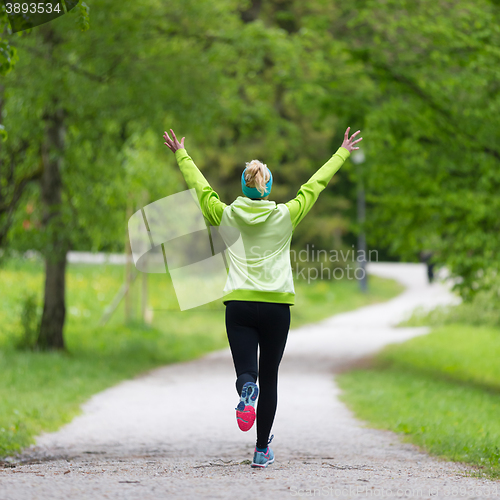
483, 309
30, 322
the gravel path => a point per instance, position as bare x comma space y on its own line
171, 433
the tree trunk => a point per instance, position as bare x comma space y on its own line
54, 308
56, 246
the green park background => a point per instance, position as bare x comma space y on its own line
84, 102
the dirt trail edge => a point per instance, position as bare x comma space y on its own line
171, 433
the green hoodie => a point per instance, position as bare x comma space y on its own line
259, 266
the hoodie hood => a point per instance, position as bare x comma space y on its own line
252, 211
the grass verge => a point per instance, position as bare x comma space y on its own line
43, 390
440, 391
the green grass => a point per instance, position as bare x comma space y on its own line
40, 391
440, 391
320, 299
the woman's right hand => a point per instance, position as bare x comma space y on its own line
349, 143
173, 144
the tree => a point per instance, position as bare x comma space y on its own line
18, 168
431, 129
82, 103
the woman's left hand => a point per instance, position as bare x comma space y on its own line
173, 144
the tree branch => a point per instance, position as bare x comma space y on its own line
450, 119
73, 67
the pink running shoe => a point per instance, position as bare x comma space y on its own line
245, 411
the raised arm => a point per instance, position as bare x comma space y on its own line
211, 206
309, 192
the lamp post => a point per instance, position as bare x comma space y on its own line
358, 158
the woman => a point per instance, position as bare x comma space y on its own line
259, 289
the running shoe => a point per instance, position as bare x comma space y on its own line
245, 411
263, 458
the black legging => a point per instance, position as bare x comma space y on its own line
263, 324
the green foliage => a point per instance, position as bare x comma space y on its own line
3, 133
431, 129
83, 15
8, 52
481, 310
440, 390
8, 57
287, 104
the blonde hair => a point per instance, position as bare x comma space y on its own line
257, 175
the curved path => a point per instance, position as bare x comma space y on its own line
171, 433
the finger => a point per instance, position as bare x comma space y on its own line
182, 141
355, 134
176, 141
346, 135
355, 142
173, 135
167, 137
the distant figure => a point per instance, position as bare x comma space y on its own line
258, 310
426, 256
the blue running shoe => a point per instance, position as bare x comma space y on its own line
263, 458
245, 411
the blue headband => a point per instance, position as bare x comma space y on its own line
252, 192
